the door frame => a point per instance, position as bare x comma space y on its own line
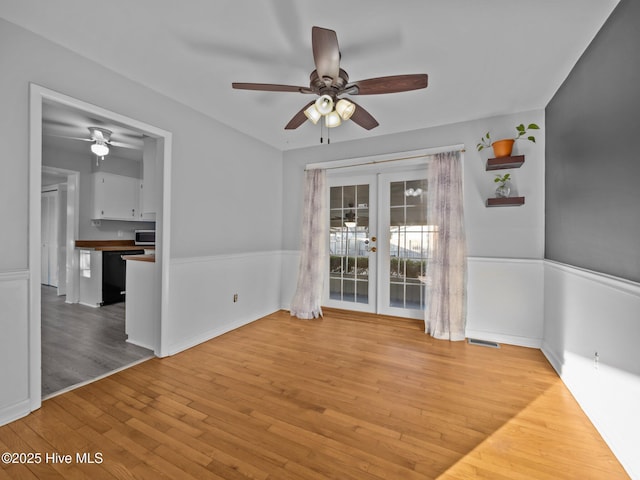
73, 227
38, 95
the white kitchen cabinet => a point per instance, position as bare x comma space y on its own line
115, 197
149, 184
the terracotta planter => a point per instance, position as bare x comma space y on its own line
502, 148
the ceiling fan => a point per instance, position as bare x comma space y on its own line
100, 139
330, 83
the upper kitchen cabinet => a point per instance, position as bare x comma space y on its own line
116, 197
149, 185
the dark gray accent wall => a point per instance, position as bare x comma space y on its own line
592, 212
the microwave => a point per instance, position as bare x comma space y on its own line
145, 237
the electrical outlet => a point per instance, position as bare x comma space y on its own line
235, 297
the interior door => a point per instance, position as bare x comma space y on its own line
379, 241
49, 238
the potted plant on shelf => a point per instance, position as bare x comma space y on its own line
503, 189
503, 147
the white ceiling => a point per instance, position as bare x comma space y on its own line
483, 58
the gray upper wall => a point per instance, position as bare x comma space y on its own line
592, 216
225, 185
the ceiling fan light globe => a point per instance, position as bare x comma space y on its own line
324, 104
345, 109
312, 114
100, 149
332, 120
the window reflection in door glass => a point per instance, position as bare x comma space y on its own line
410, 243
348, 243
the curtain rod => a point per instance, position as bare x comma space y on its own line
373, 162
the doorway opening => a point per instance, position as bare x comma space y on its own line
40, 96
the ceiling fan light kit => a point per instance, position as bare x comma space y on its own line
99, 149
345, 109
100, 145
324, 105
332, 119
330, 83
313, 114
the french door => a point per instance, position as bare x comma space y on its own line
379, 241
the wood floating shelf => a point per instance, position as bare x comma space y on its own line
502, 163
505, 202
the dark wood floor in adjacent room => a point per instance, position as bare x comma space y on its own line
80, 343
350, 396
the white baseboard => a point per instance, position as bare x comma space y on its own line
208, 335
11, 413
92, 305
506, 339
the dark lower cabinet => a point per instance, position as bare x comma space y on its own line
114, 275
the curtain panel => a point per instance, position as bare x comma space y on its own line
446, 272
306, 302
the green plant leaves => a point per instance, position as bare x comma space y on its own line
484, 142
502, 179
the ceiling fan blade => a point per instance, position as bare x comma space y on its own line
49, 134
124, 145
392, 84
270, 87
326, 53
299, 118
363, 118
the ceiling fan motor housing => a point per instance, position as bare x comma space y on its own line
327, 85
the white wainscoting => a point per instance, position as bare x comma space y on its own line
506, 300
201, 291
14, 345
585, 313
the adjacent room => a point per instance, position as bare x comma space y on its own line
284, 240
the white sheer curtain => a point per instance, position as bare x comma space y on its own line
308, 297
446, 310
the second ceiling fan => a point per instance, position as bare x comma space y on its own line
330, 83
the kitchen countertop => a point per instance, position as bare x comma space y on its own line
140, 258
112, 245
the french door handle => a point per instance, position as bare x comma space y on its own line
373, 239
373, 249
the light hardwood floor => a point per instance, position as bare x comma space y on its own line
350, 396
81, 343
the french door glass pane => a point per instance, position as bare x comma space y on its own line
348, 243
410, 243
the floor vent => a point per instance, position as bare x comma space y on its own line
483, 343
